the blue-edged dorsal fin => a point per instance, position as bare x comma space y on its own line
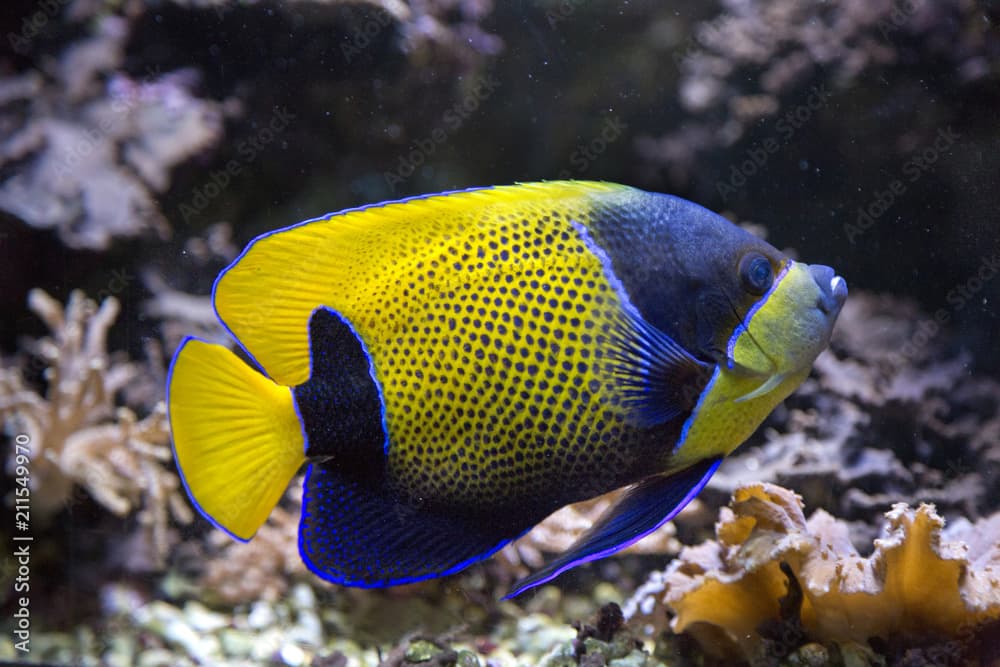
341, 405
359, 533
646, 507
351, 259
657, 377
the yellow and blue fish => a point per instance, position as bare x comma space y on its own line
452, 368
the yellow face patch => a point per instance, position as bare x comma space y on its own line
773, 352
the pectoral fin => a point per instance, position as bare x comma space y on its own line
646, 507
769, 384
657, 377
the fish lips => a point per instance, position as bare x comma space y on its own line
832, 289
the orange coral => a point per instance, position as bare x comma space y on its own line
920, 580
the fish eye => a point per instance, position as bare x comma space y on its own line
756, 273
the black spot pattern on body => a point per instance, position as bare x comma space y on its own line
498, 388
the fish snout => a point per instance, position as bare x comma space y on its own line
832, 289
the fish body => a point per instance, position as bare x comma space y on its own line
452, 368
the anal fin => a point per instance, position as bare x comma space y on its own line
647, 506
359, 533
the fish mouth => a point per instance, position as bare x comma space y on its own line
832, 289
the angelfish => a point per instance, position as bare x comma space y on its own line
452, 368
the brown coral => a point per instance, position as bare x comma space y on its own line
921, 580
261, 568
75, 433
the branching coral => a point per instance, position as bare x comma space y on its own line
75, 433
921, 581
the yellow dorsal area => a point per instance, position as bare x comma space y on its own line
237, 439
363, 262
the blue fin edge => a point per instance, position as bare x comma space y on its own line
688, 497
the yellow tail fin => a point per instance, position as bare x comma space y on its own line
237, 438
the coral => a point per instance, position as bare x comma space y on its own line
921, 581
92, 156
741, 62
262, 568
76, 434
